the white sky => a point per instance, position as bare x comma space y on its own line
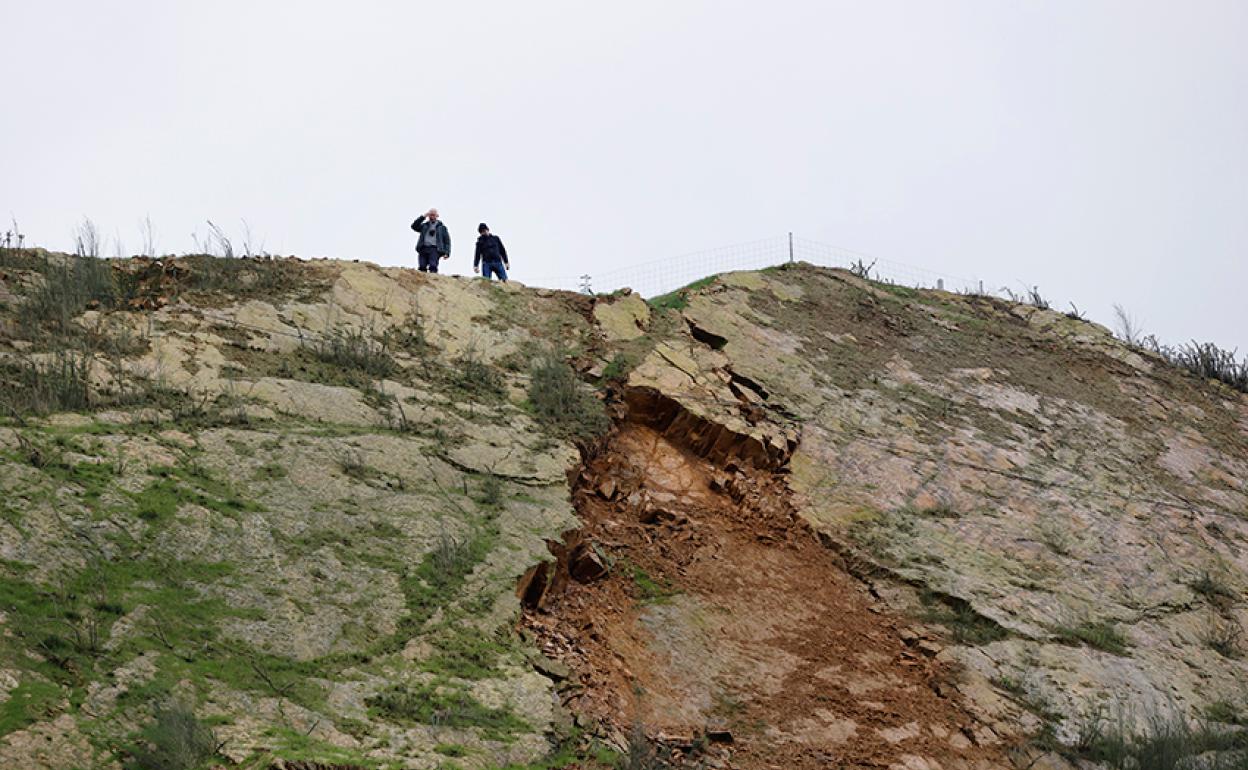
1096, 149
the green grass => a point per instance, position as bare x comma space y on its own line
179, 485
56, 630
294, 745
1097, 635
965, 624
93, 479
679, 299
1165, 743
1226, 712
465, 652
431, 586
568, 754
444, 704
158, 501
29, 702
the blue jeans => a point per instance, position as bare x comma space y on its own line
493, 267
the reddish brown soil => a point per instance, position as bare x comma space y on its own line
723, 611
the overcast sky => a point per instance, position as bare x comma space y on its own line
1098, 150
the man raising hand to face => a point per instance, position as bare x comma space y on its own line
434, 243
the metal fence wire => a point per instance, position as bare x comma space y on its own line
660, 276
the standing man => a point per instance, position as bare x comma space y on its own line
491, 254
434, 242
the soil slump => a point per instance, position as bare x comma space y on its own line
720, 611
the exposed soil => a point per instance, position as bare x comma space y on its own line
693, 603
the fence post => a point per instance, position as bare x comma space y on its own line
790, 248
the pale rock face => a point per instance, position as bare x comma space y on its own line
1021, 465
57, 744
1042, 511
623, 319
301, 510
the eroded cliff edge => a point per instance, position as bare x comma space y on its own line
304, 505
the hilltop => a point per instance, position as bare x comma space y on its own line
326, 514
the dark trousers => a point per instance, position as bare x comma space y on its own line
427, 259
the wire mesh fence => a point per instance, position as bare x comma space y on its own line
660, 276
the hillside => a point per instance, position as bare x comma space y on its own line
325, 514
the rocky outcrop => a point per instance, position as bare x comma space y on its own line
889, 526
1077, 495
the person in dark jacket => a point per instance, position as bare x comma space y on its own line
491, 254
434, 242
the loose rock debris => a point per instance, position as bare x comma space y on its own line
692, 603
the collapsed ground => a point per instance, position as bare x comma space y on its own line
693, 602
827, 521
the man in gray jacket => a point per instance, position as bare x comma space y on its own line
434, 242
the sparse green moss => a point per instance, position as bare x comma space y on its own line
650, 590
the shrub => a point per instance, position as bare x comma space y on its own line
259, 277
449, 561
1031, 297
562, 404
641, 753
30, 385
1226, 712
491, 492
70, 285
1165, 743
443, 705
176, 740
355, 350
1203, 359
966, 625
617, 370
477, 377
1215, 590
1225, 637
351, 461
1098, 635
1211, 362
